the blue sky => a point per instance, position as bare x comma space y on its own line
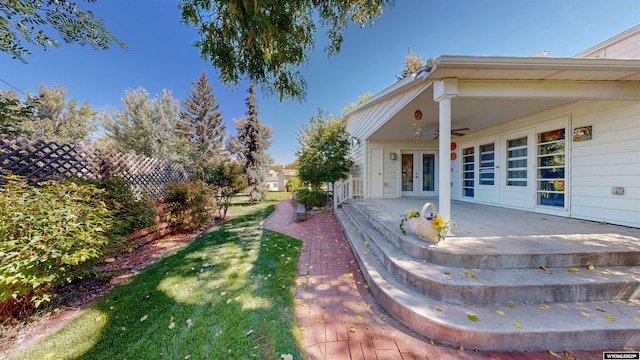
161, 54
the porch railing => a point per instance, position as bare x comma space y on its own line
350, 188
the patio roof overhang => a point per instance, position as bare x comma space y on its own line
492, 90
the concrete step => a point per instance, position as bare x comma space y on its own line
502, 324
513, 252
489, 286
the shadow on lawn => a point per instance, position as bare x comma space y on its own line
228, 294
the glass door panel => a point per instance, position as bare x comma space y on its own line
487, 164
550, 168
468, 171
517, 162
428, 172
407, 172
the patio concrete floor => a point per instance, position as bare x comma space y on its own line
490, 229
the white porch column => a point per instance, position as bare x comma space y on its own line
443, 92
444, 178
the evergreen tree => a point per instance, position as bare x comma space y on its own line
412, 62
201, 128
250, 145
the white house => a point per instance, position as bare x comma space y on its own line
551, 135
284, 175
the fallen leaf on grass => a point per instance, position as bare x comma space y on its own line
171, 323
189, 323
286, 357
144, 318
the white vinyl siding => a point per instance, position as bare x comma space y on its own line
622, 46
610, 159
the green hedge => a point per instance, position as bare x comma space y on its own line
311, 198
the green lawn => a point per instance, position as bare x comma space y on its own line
229, 294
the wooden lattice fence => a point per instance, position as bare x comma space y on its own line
39, 160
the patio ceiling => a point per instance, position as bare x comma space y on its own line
493, 90
472, 113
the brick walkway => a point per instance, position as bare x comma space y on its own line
337, 314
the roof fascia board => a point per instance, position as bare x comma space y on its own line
406, 84
541, 63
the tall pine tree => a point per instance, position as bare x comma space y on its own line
250, 145
201, 128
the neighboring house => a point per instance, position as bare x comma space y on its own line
283, 178
559, 136
272, 183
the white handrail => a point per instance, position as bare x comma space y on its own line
349, 188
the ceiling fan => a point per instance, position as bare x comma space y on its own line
456, 132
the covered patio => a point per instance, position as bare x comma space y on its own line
486, 229
535, 281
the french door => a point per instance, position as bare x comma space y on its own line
418, 173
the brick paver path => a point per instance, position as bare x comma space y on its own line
337, 314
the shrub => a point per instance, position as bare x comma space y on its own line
50, 234
132, 211
311, 198
294, 184
228, 180
195, 204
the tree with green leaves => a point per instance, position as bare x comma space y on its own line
144, 127
361, 99
59, 120
228, 180
201, 130
31, 21
324, 155
13, 112
250, 145
267, 41
412, 63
